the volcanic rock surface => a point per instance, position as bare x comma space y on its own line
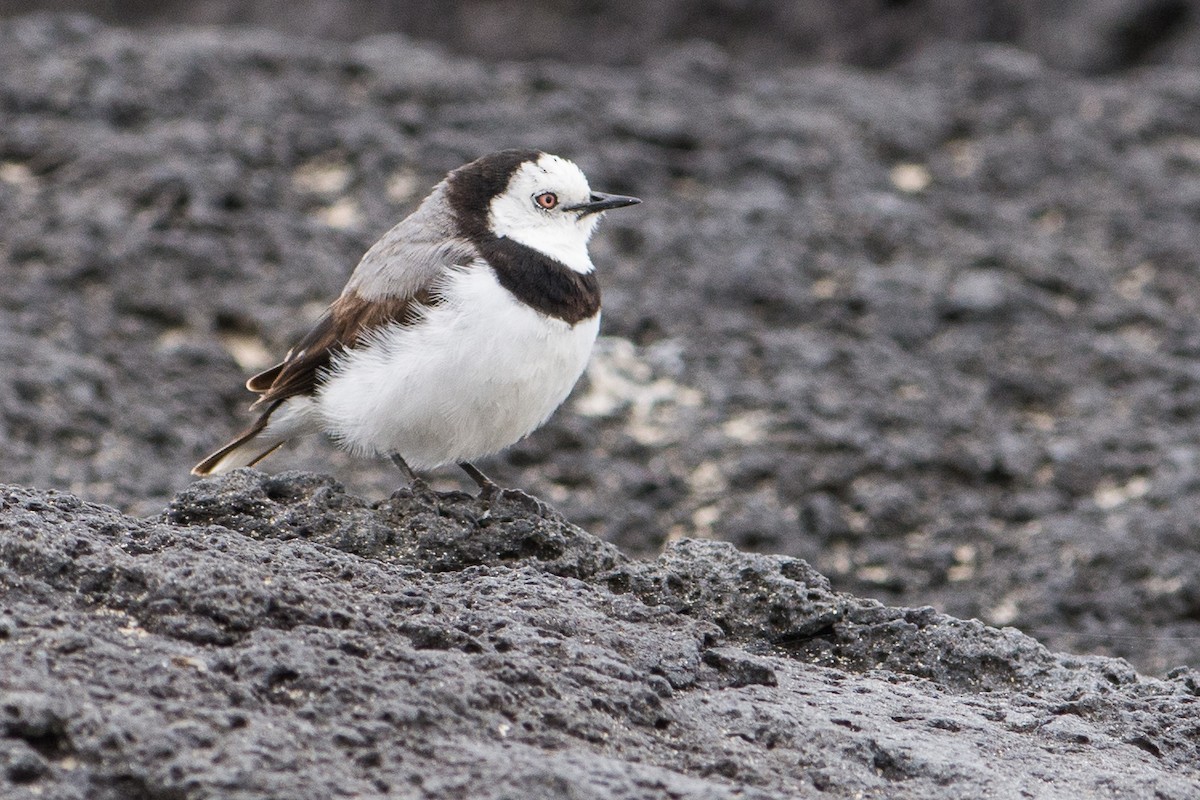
1089, 35
276, 637
931, 329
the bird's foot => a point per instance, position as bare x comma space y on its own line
413, 489
522, 500
490, 492
416, 484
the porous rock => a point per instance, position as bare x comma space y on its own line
931, 329
276, 637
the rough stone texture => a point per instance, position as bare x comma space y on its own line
276, 637
1089, 35
932, 329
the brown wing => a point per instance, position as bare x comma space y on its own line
348, 320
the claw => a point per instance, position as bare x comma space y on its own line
416, 483
523, 500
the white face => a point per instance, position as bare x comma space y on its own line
531, 211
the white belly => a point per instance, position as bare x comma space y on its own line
479, 372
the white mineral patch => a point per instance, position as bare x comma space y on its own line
623, 382
326, 177
748, 428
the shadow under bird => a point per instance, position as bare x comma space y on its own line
458, 334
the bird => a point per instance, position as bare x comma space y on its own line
458, 333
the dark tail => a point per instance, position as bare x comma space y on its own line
250, 447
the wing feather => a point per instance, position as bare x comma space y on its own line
392, 282
344, 325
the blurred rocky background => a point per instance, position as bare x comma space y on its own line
913, 297
1084, 35
913, 294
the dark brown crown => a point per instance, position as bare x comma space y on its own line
472, 186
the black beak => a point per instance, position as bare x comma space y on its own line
603, 202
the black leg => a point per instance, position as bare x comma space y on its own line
417, 482
487, 486
490, 491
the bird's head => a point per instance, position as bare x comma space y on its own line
541, 200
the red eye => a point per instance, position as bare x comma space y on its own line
546, 200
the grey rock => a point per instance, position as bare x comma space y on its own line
931, 329
178, 657
898, 383
1091, 35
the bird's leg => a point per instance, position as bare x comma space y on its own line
487, 487
416, 482
489, 490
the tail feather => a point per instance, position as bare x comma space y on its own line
251, 446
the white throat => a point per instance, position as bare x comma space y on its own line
565, 246
561, 235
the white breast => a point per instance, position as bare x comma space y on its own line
479, 372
